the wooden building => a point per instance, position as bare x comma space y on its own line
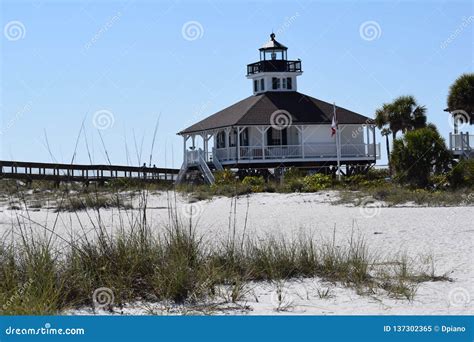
278, 127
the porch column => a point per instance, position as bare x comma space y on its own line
238, 144
208, 137
262, 130
205, 140
375, 146
185, 155
368, 140
227, 131
301, 130
204, 147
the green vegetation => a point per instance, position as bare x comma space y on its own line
38, 277
92, 201
419, 155
461, 96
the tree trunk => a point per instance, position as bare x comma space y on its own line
388, 155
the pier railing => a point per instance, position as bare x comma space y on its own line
29, 171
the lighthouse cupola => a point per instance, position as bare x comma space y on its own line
274, 72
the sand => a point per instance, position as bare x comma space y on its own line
442, 235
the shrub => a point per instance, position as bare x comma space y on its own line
439, 181
374, 174
295, 184
292, 173
256, 184
224, 177
316, 182
418, 155
462, 175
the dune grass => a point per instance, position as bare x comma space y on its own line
44, 273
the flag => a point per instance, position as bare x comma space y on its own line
334, 123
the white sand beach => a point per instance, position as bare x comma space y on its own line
439, 236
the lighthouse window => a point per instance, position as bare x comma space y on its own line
255, 85
262, 84
288, 83
275, 83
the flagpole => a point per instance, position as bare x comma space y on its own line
338, 146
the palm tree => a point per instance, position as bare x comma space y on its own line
461, 96
385, 133
407, 115
382, 119
402, 115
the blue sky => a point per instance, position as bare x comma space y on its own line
63, 61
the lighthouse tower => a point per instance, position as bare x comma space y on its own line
274, 72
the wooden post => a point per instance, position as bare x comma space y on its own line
238, 144
227, 142
263, 131
375, 145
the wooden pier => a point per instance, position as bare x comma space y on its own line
29, 171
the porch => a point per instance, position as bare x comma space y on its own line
303, 153
462, 144
307, 146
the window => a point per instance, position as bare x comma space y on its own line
284, 82
275, 83
221, 139
244, 137
288, 83
255, 86
277, 137
262, 84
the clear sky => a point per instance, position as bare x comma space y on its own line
135, 62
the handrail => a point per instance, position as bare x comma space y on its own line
216, 161
205, 168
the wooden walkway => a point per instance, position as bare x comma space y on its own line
29, 171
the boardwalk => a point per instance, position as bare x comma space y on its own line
29, 171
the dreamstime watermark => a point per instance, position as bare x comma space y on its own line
459, 119
459, 297
103, 119
17, 295
18, 115
369, 208
14, 30
281, 119
460, 29
107, 26
191, 210
102, 297
287, 23
360, 129
47, 329
370, 30
192, 30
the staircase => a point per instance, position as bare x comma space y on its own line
206, 171
216, 161
197, 159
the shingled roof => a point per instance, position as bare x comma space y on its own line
257, 110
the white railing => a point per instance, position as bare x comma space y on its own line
205, 168
216, 161
461, 142
307, 151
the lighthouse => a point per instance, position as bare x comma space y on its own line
274, 72
277, 127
